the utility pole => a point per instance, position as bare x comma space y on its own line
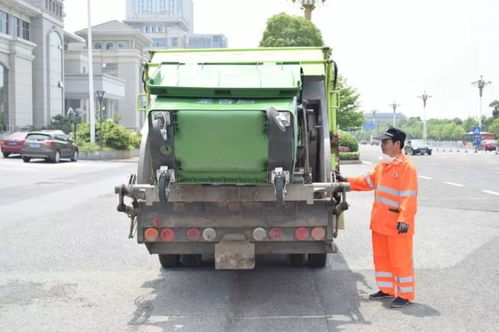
308, 6
481, 83
91, 105
424, 97
394, 105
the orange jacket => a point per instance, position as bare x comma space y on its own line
395, 188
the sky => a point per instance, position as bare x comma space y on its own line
389, 50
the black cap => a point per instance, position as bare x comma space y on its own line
392, 133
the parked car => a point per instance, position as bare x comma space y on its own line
13, 143
490, 144
417, 147
51, 145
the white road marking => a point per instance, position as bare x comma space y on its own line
367, 162
490, 192
425, 177
454, 184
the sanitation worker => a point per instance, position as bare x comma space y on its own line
395, 185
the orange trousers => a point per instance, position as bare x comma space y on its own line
393, 265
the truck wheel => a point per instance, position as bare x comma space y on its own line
317, 260
191, 260
168, 261
297, 260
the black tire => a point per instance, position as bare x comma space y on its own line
429, 153
6, 154
169, 261
74, 158
191, 260
297, 260
413, 152
26, 159
57, 157
317, 260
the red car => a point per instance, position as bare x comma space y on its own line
13, 143
489, 144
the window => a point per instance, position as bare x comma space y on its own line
110, 68
56, 76
4, 22
4, 94
159, 42
174, 42
98, 45
163, 29
122, 44
16, 26
26, 30
109, 46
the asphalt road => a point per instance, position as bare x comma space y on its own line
66, 263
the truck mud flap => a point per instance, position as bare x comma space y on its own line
234, 255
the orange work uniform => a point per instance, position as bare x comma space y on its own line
395, 188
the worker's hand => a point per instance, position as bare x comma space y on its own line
340, 177
402, 227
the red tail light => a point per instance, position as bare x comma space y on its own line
167, 234
22, 142
301, 233
151, 234
193, 234
318, 233
49, 143
275, 233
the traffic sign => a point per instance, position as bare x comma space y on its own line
369, 126
477, 138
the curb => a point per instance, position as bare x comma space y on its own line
350, 162
108, 155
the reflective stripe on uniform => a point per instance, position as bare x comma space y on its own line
368, 180
385, 284
406, 289
405, 279
387, 201
384, 274
394, 192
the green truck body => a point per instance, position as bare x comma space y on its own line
236, 157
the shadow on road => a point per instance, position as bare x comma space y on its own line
273, 296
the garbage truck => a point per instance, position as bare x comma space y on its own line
238, 157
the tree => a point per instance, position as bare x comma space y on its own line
293, 31
495, 105
284, 30
349, 117
494, 127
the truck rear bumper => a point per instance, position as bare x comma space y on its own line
261, 248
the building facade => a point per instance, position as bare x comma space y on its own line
118, 54
170, 24
31, 62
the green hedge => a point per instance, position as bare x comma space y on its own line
348, 141
349, 155
115, 137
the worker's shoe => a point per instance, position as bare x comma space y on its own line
399, 303
379, 295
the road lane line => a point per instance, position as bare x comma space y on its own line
490, 192
367, 162
425, 177
454, 184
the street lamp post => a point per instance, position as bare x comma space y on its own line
90, 78
481, 83
394, 105
100, 97
424, 97
308, 6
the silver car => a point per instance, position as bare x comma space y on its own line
51, 145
